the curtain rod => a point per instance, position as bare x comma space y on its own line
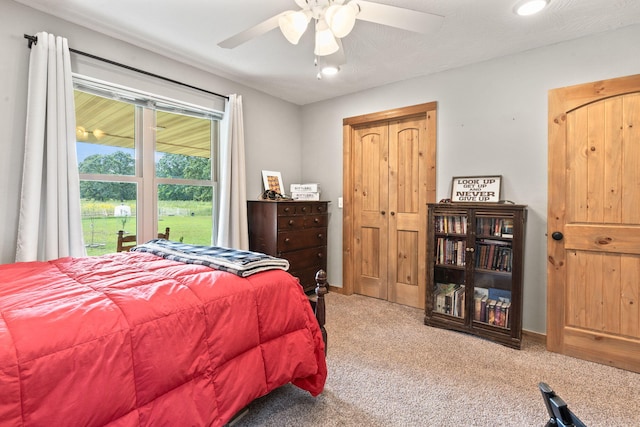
34, 40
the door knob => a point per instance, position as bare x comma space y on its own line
556, 235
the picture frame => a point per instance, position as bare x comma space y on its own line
272, 181
474, 189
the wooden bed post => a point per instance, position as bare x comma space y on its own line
320, 311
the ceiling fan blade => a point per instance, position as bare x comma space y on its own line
255, 31
398, 17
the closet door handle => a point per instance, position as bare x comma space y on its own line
382, 212
393, 213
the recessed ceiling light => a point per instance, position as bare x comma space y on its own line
529, 7
330, 70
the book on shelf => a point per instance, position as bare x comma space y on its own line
458, 300
479, 292
498, 314
492, 306
506, 306
440, 303
491, 312
479, 307
454, 224
499, 227
494, 255
499, 294
507, 228
450, 251
449, 299
480, 296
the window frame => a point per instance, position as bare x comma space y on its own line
146, 105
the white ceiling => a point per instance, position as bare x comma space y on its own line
472, 31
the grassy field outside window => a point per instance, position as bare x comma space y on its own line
190, 222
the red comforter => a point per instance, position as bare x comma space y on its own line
131, 339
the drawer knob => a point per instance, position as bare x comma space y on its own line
319, 235
320, 255
304, 209
316, 220
286, 209
290, 222
287, 240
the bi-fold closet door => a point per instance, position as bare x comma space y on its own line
392, 165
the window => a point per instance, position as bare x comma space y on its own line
146, 163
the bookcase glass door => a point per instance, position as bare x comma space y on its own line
492, 270
449, 285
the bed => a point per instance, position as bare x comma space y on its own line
141, 339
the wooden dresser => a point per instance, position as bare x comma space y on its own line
293, 230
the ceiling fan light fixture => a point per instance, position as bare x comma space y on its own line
293, 24
529, 7
341, 18
326, 43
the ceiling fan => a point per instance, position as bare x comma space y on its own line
334, 19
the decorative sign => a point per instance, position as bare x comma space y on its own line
476, 189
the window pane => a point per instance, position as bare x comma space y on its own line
187, 211
105, 132
183, 146
103, 217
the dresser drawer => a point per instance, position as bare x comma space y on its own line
301, 208
315, 220
291, 222
294, 208
306, 258
300, 239
297, 222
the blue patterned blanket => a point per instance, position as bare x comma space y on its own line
238, 262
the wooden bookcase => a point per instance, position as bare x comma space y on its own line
475, 254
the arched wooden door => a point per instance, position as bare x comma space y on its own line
389, 177
593, 271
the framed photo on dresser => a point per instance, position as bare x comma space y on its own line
273, 181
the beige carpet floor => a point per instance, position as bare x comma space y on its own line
386, 368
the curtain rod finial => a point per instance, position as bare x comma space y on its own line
32, 40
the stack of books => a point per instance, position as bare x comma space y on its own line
305, 191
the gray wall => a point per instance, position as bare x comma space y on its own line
492, 119
272, 126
